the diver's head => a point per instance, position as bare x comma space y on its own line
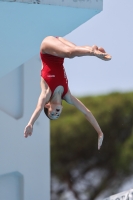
53, 110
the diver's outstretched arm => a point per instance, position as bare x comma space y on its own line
89, 116
40, 106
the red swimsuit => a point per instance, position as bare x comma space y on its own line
53, 72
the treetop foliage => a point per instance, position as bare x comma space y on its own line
74, 153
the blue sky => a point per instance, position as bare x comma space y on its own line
113, 30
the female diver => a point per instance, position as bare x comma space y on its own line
54, 82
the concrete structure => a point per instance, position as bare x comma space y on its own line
25, 163
126, 195
23, 26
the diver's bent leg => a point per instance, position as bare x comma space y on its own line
52, 45
66, 42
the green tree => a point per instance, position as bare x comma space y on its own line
76, 164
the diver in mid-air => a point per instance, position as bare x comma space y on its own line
54, 82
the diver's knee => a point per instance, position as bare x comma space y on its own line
70, 52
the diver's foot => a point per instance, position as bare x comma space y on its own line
101, 53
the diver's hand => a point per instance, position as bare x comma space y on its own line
28, 130
100, 140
